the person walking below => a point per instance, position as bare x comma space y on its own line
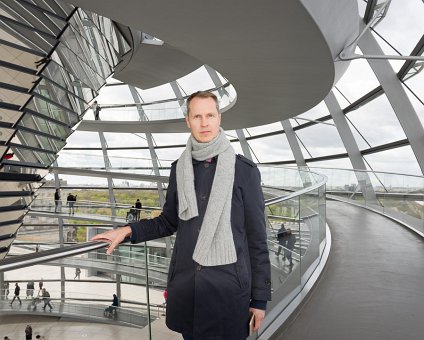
281, 237
40, 286
138, 207
77, 273
290, 241
46, 298
57, 201
70, 200
30, 289
17, 291
28, 332
220, 274
6, 289
96, 110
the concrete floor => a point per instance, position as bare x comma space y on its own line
58, 329
55, 328
372, 287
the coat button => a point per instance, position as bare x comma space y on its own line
199, 267
267, 282
203, 197
206, 164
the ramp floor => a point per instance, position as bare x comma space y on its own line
372, 287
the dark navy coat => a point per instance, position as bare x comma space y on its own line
213, 302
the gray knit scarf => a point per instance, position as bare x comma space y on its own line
215, 244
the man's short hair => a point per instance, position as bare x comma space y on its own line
201, 94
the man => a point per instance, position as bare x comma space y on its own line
220, 271
77, 273
138, 206
28, 332
96, 109
290, 241
46, 298
114, 306
30, 289
57, 201
17, 291
281, 237
71, 199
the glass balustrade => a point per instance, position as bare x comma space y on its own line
137, 165
162, 110
395, 195
295, 198
92, 209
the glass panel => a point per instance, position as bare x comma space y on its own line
67, 80
9, 116
402, 25
293, 253
13, 97
88, 35
86, 52
204, 81
400, 160
44, 41
79, 68
51, 6
307, 234
11, 36
418, 104
388, 50
342, 100
21, 13
398, 196
354, 87
263, 149
343, 163
12, 77
416, 83
39, 141
75, 159
168, 155
162, 139
5, 134
318, 111
48, 109
34, 157
377, 122
84, 139
57, 94
258, 130
39, 124
126, 140
18, 57
321, 139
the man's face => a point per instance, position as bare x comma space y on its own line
203, 120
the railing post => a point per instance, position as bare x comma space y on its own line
2, 291
147, 290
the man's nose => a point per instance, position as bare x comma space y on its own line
204, 121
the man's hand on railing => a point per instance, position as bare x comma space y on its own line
113, 237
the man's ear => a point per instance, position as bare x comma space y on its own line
187, 121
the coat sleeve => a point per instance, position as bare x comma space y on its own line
254, 208
163, 225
